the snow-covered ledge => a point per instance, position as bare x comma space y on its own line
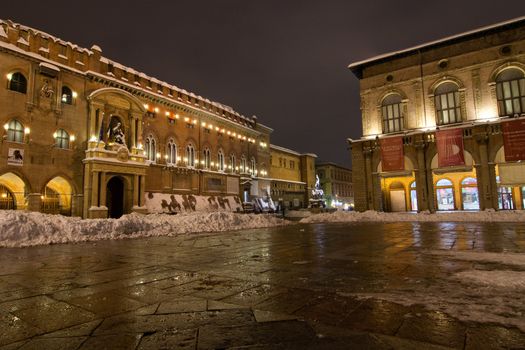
139, 210
98, 212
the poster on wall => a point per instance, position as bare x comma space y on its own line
15, 156
392, 156
450, 147
514, 140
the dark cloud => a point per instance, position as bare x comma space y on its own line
284, 61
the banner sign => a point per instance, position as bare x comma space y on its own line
514, 140
450, 147
392, 156
15, 156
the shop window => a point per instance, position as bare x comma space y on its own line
17, 82
391, 113
510, 92
523, 197
413, 196
445, 195
447, 102
469, 193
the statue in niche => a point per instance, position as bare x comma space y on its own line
115, 133
47, 90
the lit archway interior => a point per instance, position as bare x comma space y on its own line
17, 187
57, 196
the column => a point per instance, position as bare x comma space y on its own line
132, 133
483, 174
141, 194
103, 188
136, 192
94, 189
421, 181
92, 120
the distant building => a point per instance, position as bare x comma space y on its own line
444, 124
336, 182
292, 176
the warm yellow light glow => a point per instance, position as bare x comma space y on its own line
27, 131
203, 124
4, 195
194, 121
185, 159
210, 126
156, 109
158, 155
229, 133
139, 146
223, 130
10, 76
167, 114
186, 119
146, 106
54, 135
202, 162
72, 138
42, 197
75, 94
6, 126
93, 138
166, 156
234, 134
212, 163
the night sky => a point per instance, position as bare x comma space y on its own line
283, 61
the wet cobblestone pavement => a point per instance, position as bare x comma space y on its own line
362, 286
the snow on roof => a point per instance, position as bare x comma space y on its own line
359, 64
102, 59
287, 150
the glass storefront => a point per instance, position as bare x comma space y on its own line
445, 195
469, 194
413, 196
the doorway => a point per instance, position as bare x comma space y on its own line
115, 197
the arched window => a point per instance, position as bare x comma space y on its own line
190, 155
448, 108
17, 82
171, 152
253, 167
151, 148
232, 163
220, 161
413, 196
445, 194
510, 91
7, 199
391, 113
67, 95
469, 193
15, 131
505, 198
244, 168
207, 158
61, 139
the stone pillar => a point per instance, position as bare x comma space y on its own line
103, 189
368, 178
483, 174
133, 133
92, 120
94, 189
136, 193
421, 181
76, 204
142, 180
139, 132
34, 202
493, 186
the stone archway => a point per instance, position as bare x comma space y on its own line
13, 191
57, 197
115, 197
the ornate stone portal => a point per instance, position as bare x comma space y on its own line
114, 167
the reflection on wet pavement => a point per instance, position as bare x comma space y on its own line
337, 286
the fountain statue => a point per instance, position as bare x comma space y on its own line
317, 200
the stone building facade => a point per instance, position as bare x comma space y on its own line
292, 176
442, 124
86, 136
336, 182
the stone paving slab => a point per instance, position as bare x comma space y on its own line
351, 286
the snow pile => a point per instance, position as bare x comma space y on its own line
498, 278
374, 216
19, 228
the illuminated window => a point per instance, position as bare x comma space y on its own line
232, 162
391, 113
448, 110
445, 195
67, 95
253, 166
505, 198
150, 148
15, 131
413, 196
243, 165
510, 91
62, 139
18, 82
469, 193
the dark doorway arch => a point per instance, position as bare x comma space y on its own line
115, 197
